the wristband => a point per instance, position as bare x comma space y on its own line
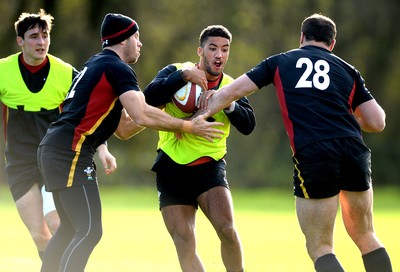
187, 126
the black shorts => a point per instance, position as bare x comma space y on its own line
24, 132
182, 185
323, 168
62, 168
22, 168
22, 178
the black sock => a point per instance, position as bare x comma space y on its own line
377, 261
328, 263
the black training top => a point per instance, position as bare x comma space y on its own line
92, 110
317, 93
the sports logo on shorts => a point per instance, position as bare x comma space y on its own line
89, 170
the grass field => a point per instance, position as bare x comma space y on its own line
135, 239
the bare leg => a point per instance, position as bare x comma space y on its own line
30, 209
180, 221
317, 219
217, 205
358, 219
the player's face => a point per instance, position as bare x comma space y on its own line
132, 49
35, 45
214, 55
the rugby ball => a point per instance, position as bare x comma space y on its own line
186, 97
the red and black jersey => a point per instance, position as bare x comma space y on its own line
317, 93
92, 110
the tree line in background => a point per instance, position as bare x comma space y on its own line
368, 37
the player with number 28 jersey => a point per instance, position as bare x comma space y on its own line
310, 97
325, 107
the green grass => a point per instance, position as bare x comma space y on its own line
135, 238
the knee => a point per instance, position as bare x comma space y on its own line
96, 233
41, 238
92, 234
183, 237
228, 234
53, 225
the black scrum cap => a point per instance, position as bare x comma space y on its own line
116, 28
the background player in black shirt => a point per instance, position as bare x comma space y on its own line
33, 84
325, 106
91, 113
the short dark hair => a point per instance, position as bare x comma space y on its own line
319, 28
28, 21
214, 31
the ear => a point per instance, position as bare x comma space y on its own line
20, 41
199, 51
332, 45
301, 38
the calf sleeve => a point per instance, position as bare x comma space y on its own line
328, 263
377, 261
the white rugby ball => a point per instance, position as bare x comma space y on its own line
186, 98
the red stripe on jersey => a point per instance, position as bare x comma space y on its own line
284, 111
351, 97
101, 102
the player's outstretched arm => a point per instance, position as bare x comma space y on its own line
147, 116
240, 87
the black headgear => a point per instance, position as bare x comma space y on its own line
116, 28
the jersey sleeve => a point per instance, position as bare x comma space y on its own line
163, 86
362, 94
122, 78
263, 73
243, 117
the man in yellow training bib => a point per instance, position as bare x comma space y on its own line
33, 84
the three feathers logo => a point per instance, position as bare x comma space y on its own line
89, 170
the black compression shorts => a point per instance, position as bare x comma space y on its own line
182, 185
323, 168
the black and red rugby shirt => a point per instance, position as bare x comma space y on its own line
317, 93
92, 110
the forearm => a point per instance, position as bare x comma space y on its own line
107, 159
102, 147
127, 129
148, 116
242, 86
157, 119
